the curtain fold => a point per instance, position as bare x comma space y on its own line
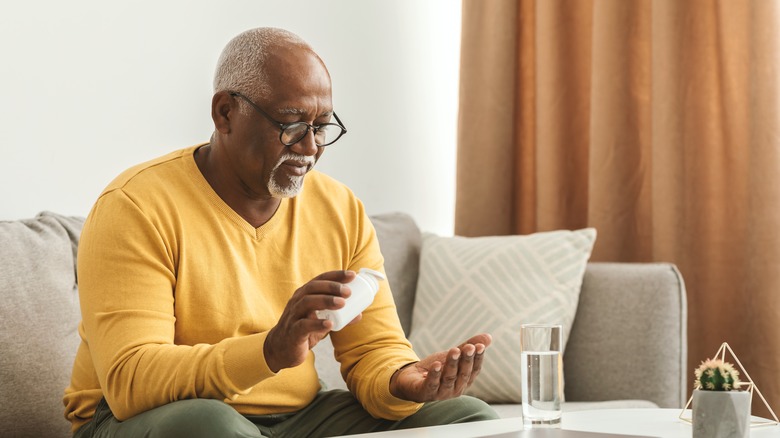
486, 118
655, 121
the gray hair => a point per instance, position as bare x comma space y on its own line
241, 66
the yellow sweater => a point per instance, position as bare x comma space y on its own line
178, 293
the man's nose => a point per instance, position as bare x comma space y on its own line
306, 145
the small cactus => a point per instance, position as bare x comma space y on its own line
716, 375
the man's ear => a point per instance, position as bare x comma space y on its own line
222, 110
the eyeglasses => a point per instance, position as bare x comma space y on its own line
291, 133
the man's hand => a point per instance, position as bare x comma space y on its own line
299, 329
442, 375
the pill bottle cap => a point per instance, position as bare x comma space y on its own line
372, 277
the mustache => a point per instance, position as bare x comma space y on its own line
292, 156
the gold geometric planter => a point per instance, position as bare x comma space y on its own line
748, 386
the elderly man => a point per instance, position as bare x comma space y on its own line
200, 274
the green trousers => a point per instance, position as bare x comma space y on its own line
331, 413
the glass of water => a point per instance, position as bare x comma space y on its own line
541, 374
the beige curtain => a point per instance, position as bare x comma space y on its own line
655, 121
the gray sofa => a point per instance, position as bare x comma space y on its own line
627, 347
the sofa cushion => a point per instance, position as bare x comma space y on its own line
494, 284
39, 316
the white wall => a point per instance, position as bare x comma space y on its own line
89, 88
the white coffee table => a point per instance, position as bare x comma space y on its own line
643, 422
651, 422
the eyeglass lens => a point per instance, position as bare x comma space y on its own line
324, 134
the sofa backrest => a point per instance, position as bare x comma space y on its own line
631, 319
400, 241
39, 316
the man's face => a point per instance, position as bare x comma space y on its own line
300, 92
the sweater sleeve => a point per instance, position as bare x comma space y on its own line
127, 278
374, 348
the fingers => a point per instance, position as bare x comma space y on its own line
479, 355
326, 291
480, 343
298, 328
465, 369
483, 338
344, 276
307, 304
450, 378
449, 374
459, 370
432, 382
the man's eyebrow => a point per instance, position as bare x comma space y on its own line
299, 112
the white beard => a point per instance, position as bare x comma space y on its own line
294, 185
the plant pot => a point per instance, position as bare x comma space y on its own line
721, 414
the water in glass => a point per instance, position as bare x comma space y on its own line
541, 396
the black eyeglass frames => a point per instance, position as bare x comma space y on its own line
291, 133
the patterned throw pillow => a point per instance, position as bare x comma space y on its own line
494, 284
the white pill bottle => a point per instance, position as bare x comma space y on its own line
364, 288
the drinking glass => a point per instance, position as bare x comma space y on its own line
541, 374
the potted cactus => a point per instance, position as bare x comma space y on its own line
720, 408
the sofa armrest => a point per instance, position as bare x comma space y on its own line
629, 337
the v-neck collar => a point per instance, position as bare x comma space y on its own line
216, 201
